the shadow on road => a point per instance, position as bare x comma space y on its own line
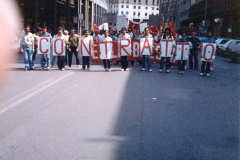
185, 117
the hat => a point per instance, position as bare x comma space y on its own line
167, 28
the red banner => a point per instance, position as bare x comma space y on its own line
135, 54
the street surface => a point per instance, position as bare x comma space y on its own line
135, 115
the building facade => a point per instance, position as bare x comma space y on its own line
62, 13
135, 10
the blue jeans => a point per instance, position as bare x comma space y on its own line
27, 51
181, 65
162, 62
34, 56
148, 61
45, 58
53, 60
106, 63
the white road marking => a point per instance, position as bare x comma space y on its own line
14, 104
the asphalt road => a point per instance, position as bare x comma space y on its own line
135, 115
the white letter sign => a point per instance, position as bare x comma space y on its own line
208, 52
58, 47
124, 46
106, 49
166, 47
182, 51
146, 45
86, 47
44, 45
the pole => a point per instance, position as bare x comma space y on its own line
36, 14
205, 16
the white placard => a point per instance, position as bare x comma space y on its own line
182, 51
121, 22
143, 26
59, 47
86, 47
208, 52
146, 45
124, 46
106, 49
166, 47
44, 45
135, 49
105, 26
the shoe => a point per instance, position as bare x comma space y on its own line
167, 71
62, 69
201, 74
83, 68
122, 69
33, 67
65, 66
190, 67
88, 68
208, 74
78, 66
41, 68
48, 68
69, 66
25, 69
150, 70
127, 69
109, 70
51, 66
105, 69
185, 67
143, 69
160, 70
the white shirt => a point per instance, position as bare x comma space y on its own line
126, 36
27, 40
63, 37
106, 39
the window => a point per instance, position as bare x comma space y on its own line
122, 6
121, 12
139, 13
139, 1
127, 6
127, 13
134, 1
139, 7
146, 8
146, 2
153, 2
134, 7
157, 8
153, 8
122, 1
127, 1
134, 13
146, 14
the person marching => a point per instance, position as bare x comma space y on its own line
87, 59
124, 59
205, 63
194, 51
106, 62
61, 59
181, 63
167, 35
146, 35
65, 32
45, 57
27, 47
74, 44
36, 37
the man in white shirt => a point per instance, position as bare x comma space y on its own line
87, 59
106, 62
66, 55
27, 47
61, 59
124, 59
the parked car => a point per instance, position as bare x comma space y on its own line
222, 49
221, 41
233, 52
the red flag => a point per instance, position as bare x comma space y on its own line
95, 27
171, 25
156, 28
112, 28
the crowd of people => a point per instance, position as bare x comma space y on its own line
29, 46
